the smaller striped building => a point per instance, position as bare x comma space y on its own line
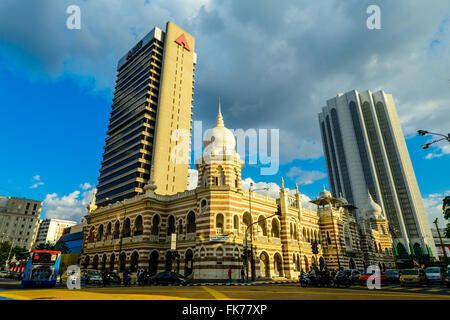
201, 233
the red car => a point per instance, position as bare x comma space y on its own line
363, 278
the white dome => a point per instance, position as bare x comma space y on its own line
219, 140
324, 194
373, 210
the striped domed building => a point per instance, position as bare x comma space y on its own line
201, 233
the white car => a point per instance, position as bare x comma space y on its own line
434, 274
3, 274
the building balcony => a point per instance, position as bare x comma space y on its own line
219, 231
153, 238
90, 245
293, 242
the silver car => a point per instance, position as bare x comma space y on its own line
434, 274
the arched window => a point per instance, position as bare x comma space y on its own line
275, 232
108, 231
191, 222
126, 228
401, 249
221, 176
134, 261
219, 223
100, 233
92, 235
180, 226
116, 230
203, 205
204, 180
155, 225
262, 227
170, 225
418, 249
138, 226
246, 220
328, 238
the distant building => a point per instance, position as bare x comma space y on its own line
445, 240
70, 244
365, 151
50, 230
19, 219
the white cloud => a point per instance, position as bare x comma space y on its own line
85, 186
442, 149
192, 179
305, 177
433, 207
274, 191
68, 207
38, 182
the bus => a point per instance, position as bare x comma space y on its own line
42, 268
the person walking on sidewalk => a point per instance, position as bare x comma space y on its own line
229, 275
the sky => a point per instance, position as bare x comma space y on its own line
272, 63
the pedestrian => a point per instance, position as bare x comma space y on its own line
242, 274
229, 275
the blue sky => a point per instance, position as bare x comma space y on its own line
56, 84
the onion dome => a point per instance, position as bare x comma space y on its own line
219, 140
325, 193
373, 210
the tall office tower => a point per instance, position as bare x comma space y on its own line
151, 106
365, 152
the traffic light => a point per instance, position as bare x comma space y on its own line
278, 210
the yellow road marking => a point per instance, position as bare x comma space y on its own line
216, 294
14, 296
434, 290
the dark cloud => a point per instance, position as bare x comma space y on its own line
273, 63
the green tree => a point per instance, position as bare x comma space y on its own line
45, 246
446, 209
19, 252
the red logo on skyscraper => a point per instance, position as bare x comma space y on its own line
181, 40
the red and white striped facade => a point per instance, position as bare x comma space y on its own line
210, 223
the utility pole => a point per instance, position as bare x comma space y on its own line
440, 238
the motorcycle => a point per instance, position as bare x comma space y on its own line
304, 280
342, 280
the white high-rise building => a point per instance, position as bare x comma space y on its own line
365, 150
50, 230
19, 220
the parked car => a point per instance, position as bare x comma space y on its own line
168, 277
353, 275
447, 277
392, 276
89, 276
113, 278
365, 276
413, 277
434, 274
15, 275
4, 274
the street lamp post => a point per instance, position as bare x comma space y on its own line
427, 145
252, 261
440, 238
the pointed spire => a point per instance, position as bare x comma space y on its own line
219, 119
323, 187
282, 183
296, 188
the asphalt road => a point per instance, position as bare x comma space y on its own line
10, 289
